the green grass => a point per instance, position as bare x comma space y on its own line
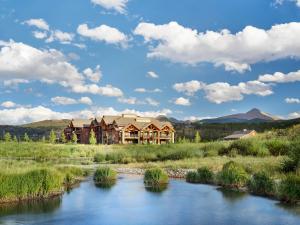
105, 175
289, 189
203, 175
262, 184
22, 180
233, 175
155, 177
38, 183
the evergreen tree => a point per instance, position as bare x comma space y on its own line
92, 138
26, 138
63, 138
74, 138
197, 137
7, 137
179, 140
52, 137
15, 139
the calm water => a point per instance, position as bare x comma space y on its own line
129, 203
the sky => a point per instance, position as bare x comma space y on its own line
185, 59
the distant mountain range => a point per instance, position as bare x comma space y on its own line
252, 116
210, 129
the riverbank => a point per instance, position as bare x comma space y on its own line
37, 182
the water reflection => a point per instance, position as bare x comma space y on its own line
232, 195
294, 209
157, 189
129, 202
106, 185
31, 207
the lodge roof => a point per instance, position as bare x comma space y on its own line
124, 121
239, 134
80, 122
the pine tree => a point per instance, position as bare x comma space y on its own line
197, 137
63, 138
7, 137
74, 138
52, 137
179, 140
26, 138
92, 138
15, 139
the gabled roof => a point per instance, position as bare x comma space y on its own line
80, 122
239, 134
108, 119
137, 121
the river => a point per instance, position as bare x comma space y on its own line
129, 203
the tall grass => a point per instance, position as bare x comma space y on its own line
289, 189
233, 175
202, 175
105, 175
262, 184
155, 177
40, 183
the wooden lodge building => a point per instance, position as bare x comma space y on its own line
124, 129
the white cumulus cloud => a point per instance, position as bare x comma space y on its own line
182, 101
117, 5
60, 100
189, 88
221, 92
144, 90
62, 37
8, 104
107, 34
292, 100
93, 76
39, 23
24, 115
279, 77
152, 74
20, 62
235, 51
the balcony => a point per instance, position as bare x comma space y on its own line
131, 136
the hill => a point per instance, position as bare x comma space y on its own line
210, 129
253, 116
50, 124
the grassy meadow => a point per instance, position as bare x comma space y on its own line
38, 169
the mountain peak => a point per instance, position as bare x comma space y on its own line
252, 115
254, 110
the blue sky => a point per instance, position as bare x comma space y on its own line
186, 59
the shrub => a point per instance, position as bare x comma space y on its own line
192, 177
99, 158
289, 188
155, 177
177, 155
205, 175
261, 184
52, 137
292, 163
105, 175
36, 183
278, 147
223, 151
92, 138
233, 175
116, 157
233, 153
244, 147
